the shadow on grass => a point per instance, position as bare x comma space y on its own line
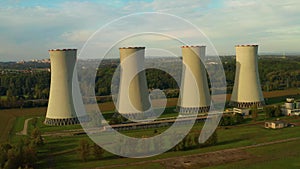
231, 141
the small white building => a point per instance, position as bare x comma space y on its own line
275, 125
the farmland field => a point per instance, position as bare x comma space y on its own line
12, 120
61, 150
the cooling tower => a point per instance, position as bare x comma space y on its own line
246, 90
61, 109
133, 99
194, 94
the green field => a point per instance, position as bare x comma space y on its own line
277, 156
12, 120
63, 150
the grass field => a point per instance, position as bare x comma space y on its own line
60, 152
63, 151
12, 120
277, 156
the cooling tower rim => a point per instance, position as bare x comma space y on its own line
133, 47
249, 45
62, 50
193, 46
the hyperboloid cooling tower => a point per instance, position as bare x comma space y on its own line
246, 90
133, 98
61, 109
194, 94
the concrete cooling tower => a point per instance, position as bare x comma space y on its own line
247, 90
194, 78
133, 99
61, 109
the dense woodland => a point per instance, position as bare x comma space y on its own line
24, 84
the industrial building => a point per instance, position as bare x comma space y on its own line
247, 90
61, 109
291, 107
194, 95
133, 99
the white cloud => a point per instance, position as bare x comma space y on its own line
77, 36
271, 23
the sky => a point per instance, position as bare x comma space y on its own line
30, 27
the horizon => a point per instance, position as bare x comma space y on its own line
162, 57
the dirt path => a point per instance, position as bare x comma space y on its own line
205, 159
24, 131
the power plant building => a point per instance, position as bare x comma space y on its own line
133, 98
61, 109
194, 94
247, 89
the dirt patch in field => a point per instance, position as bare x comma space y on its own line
207, 159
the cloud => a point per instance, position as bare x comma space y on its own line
35, 28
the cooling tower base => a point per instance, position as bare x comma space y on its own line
247, 104
191, 110
64, 122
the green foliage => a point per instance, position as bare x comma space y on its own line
34, 122
212, 140
238, 118
36, 137
4, 148
36, 84
233, 119
98, 151
191, 141
83, 149
254, 113
278, 112
117, 118
272, 111
269, 111
22, 155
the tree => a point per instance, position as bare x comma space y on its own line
117, 118
30, 156
98, 151
226, 120
12, 160
189, 141
45, 93
179, 146
21, 155
3, 154
269, 111
34, 122
9, 95
277, 112
254, 113
83, 149
212, 140
36, 136
38, 91
238, 118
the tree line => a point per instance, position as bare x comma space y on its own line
275, 74
87, 151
